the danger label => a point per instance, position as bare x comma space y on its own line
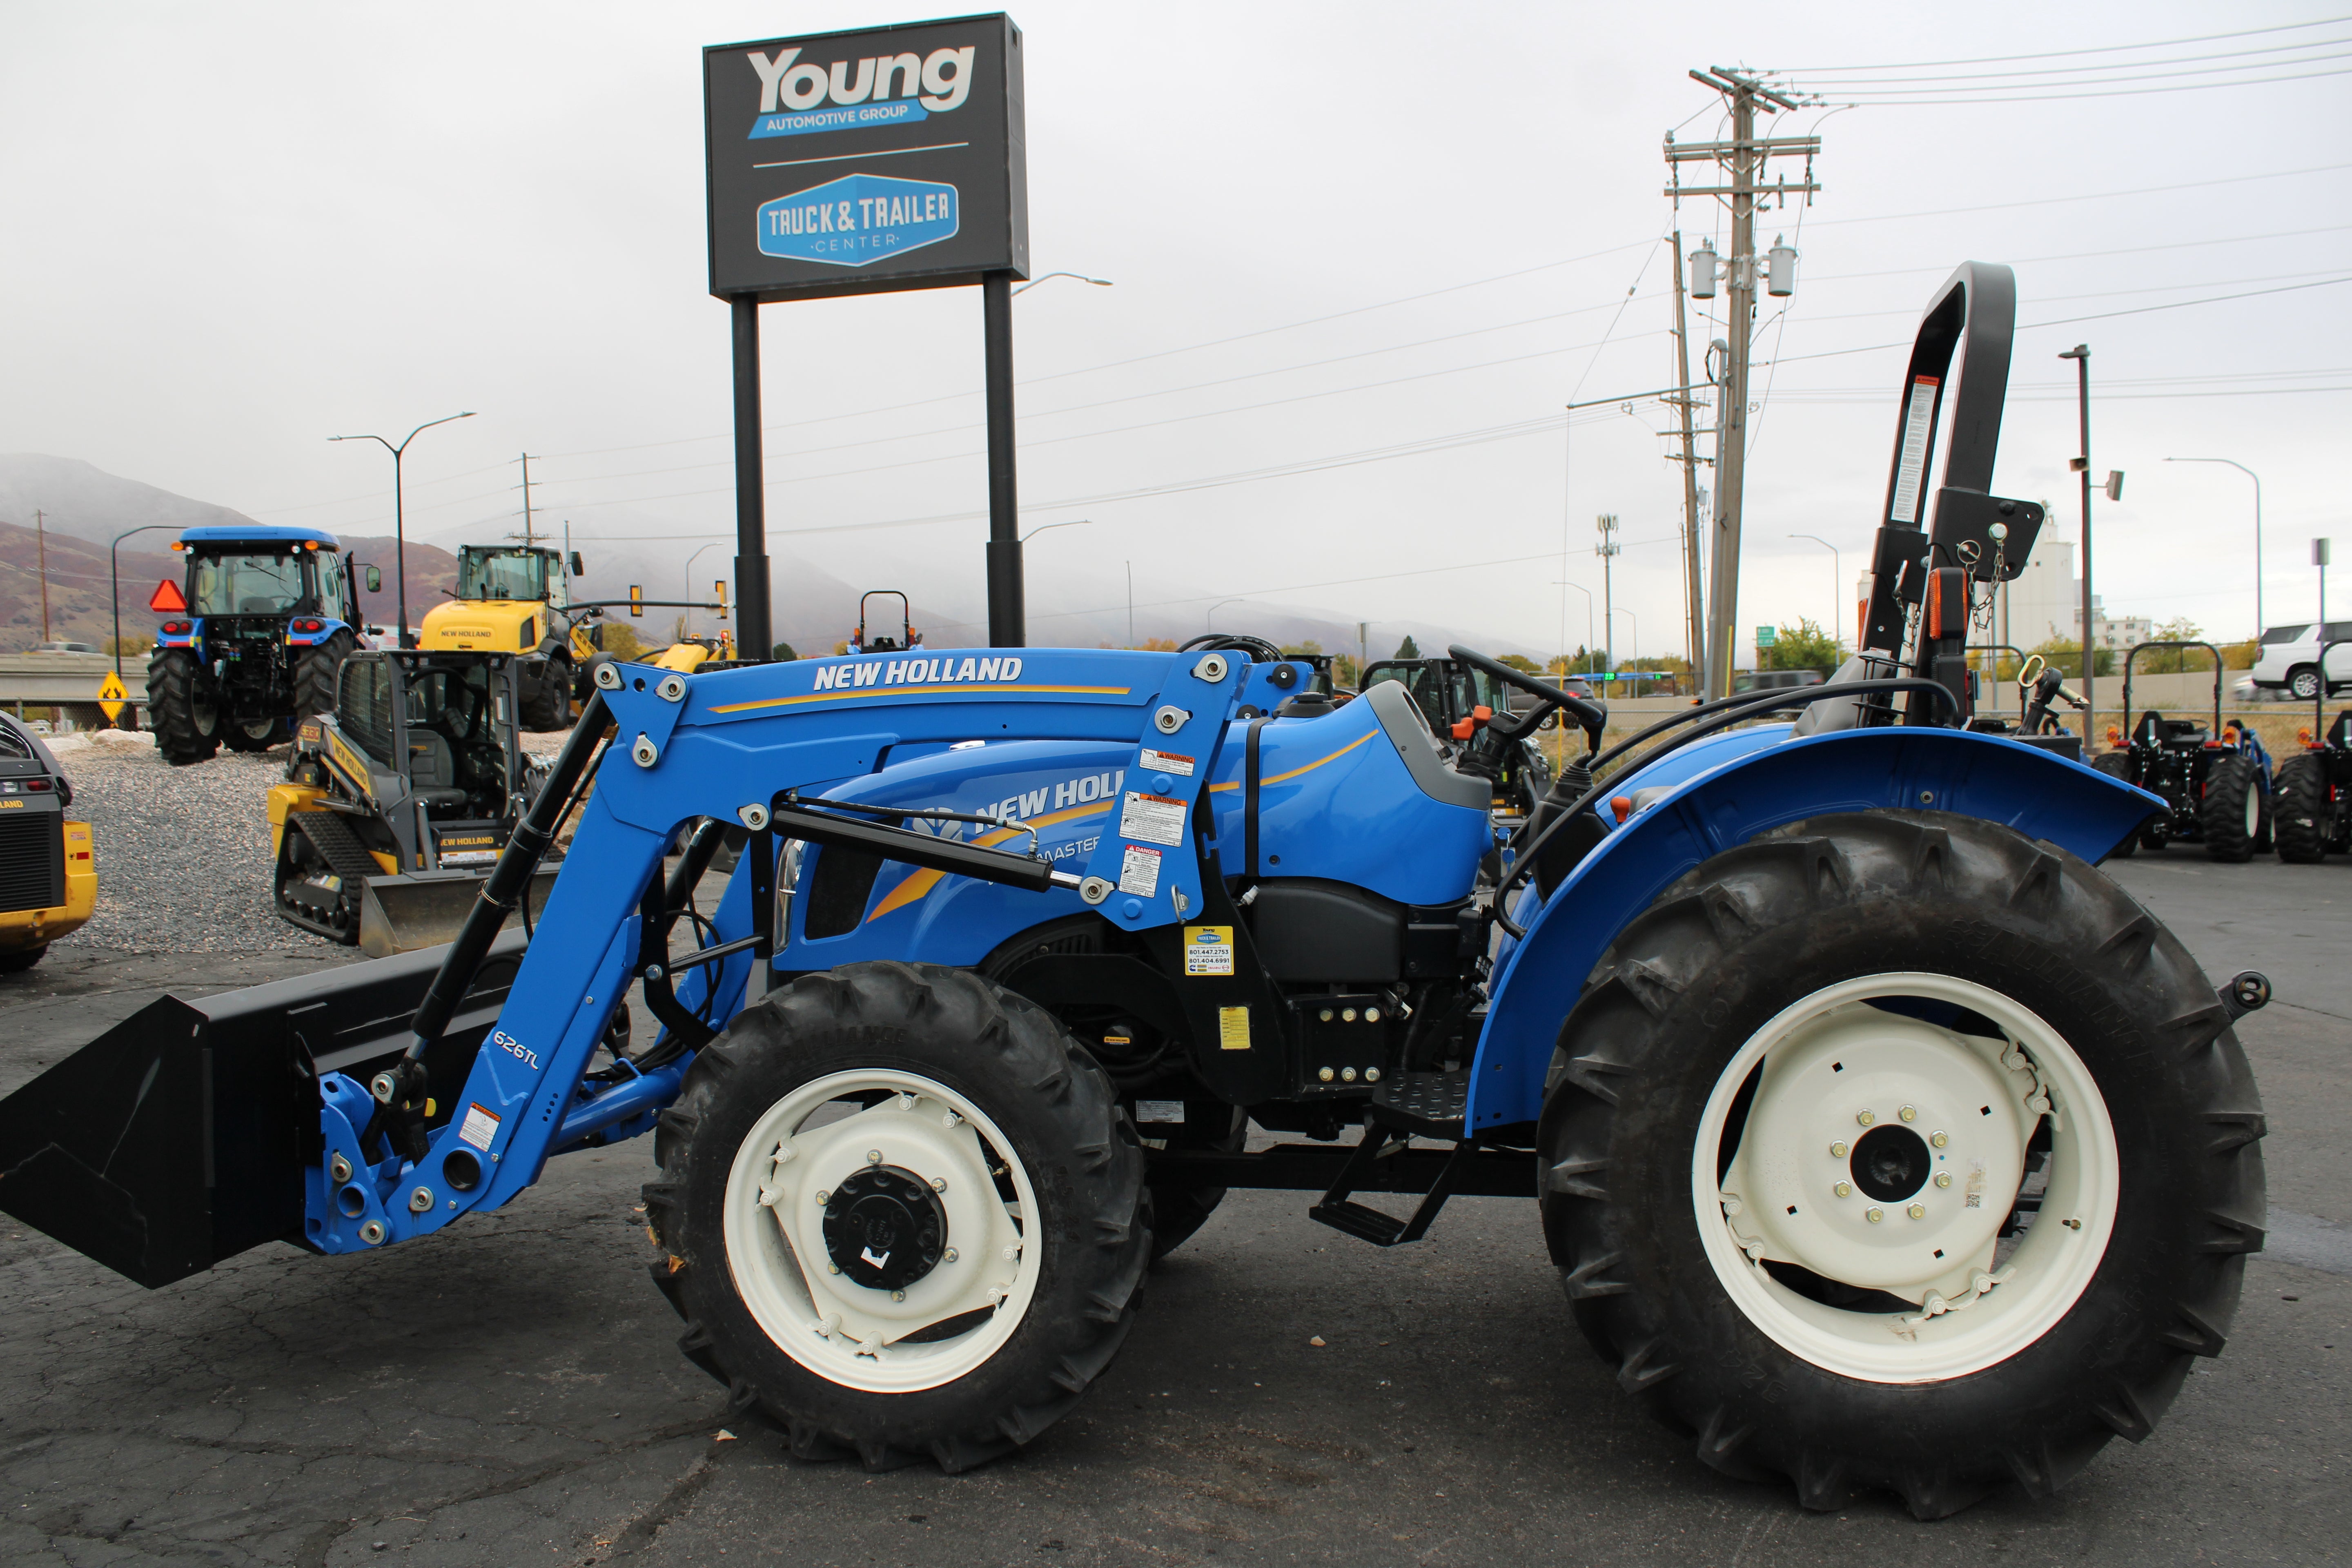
1153, 818
1208, 950
1232, 1029
1139, 872
479, 1128
1166, 763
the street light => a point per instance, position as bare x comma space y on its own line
1837, 579
1098, 282
399, 520
1209, 621
1075, 522
2260, 624
1621, 610
1589, 638
687, 595
114, 575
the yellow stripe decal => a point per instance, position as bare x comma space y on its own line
1278, 778
924, 879
941, 689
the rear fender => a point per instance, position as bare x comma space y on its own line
2041, 796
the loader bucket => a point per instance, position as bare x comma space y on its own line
179, 1137
426, 909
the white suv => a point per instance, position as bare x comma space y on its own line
2289, 659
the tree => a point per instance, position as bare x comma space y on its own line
1522, 663
2173, 661
130, 647
1301, 649
783, 653
1156, 645
1346, 672
1801, 647
1406, 650
2064, 655
620, 641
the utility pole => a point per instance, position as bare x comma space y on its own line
41, 545
2080, 354
1607, 550
1695, 614
530, 538
1744, 157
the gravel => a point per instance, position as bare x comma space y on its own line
182, 853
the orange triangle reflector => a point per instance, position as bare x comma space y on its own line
166, 599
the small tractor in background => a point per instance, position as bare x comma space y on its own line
1879, 1139
2215, 782
48, 880
2311, 796
252, 639
879, 640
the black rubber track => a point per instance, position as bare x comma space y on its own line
2116, 765
315, 669
2299, 810
2221, 816
172, 676
1052, 1104
1760, 926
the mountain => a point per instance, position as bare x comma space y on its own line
84, 501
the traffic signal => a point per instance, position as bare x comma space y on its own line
719, 589
636, 601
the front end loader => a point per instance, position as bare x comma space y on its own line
1880, 1141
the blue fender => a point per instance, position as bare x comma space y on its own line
2044, 796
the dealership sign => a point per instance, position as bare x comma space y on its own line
853, 163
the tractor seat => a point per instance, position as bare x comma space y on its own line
257, 606
2150, 728
432, 772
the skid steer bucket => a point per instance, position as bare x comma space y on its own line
179, 1137
426, 909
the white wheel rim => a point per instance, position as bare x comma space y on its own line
1828, 1061
845, 1333
2254, 810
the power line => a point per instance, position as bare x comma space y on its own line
2020, 80
2061, 54
2091, 195
2065, 97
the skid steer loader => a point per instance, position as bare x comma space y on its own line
1880, 1142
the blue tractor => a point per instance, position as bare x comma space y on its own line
1880, 1142
266, 618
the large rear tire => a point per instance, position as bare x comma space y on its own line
181, 708
2231, 816
547, 696
2300, 810
902, 1214
1767, 1075
315, 673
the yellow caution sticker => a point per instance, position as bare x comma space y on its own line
1232, 1029
1208, 950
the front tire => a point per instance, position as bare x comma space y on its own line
547, 697
24, 958
2300, 810
2231, 817
973, 1261
2006, 996
2302, 682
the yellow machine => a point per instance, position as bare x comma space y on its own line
48, 876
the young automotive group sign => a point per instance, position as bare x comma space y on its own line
854, 163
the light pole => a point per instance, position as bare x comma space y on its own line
399, 518
689, 594
2260, 626
1837, 578
1074, 522
1098, 282
1587, 621
1208, 622
1637, 654
2080, 354
114, 576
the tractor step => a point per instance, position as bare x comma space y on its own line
1425, 1104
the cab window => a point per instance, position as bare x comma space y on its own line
331, 585
247, 586
502, 574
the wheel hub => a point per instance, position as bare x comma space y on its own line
884, 1228
1891, 1163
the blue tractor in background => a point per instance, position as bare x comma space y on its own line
1880, 1140
267, 615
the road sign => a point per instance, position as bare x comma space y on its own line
1764, 637
166, 599
111, 697
853, 163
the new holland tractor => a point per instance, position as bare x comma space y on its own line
2311, 792
1879, 1139
251, 641
2215, 782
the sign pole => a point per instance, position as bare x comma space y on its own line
751, 486
1007, 611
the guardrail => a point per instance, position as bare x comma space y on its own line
68, 680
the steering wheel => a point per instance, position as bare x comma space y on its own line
1592, 717
1260, 650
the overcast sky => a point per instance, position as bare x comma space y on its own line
233, 230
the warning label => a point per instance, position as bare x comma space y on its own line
1154, 819
1232, 1029
1139, 872
1166, 763
1208, 950
479, 1128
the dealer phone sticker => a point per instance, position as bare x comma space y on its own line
481, 1127
1175, 763
1139, 870
1154, 819
1208, 950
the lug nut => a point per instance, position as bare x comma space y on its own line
1917, 1211
1943, 1178
949, 1256
1939, 1139
832, 1268
897, 1295
1875, 1215
1866, 1118
874, 1156
1909, 1114
824, 1198
1843, 1189
1837, 1151
939, 1183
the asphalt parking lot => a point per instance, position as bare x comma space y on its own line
510, 1391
